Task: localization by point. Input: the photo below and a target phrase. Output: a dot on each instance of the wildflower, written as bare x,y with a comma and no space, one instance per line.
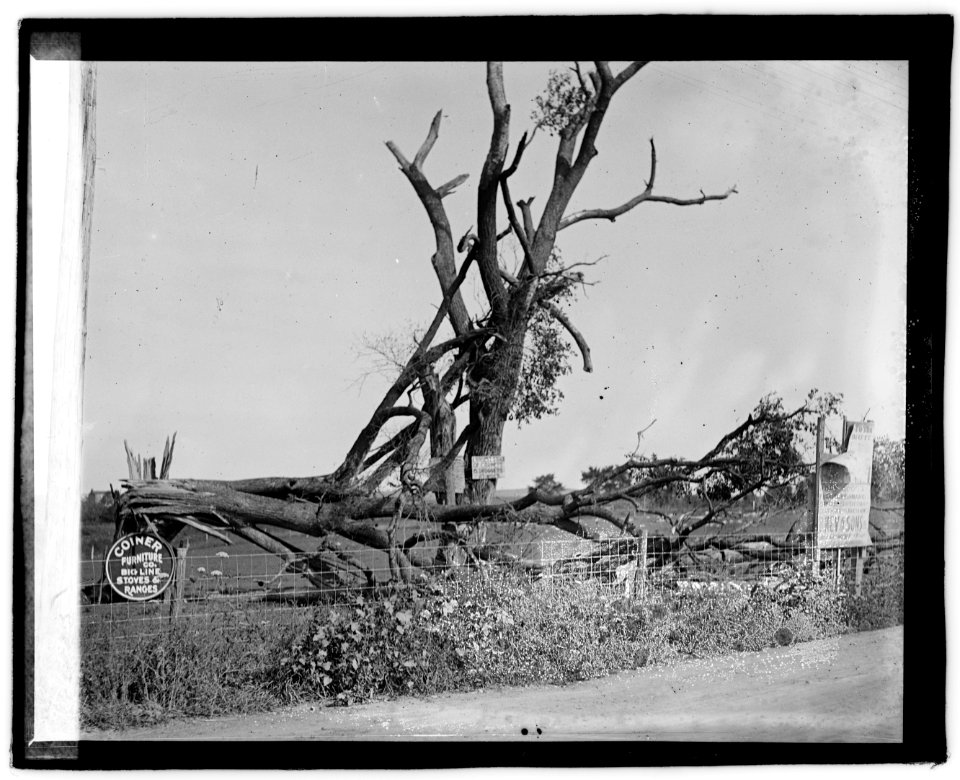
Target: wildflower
216,573
201,569
223,554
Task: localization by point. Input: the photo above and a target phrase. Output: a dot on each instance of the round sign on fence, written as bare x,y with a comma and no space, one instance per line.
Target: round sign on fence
139,566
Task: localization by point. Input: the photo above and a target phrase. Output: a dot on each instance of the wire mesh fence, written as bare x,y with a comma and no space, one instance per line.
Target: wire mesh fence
217,590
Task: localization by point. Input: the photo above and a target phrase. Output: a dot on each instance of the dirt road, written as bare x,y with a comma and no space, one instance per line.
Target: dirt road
845,689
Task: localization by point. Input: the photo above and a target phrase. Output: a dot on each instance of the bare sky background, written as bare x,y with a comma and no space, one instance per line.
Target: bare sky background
251,230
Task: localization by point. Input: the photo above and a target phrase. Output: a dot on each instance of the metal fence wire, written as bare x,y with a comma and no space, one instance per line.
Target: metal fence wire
219,590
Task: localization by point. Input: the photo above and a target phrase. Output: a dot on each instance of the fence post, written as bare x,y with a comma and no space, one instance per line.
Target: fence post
641,573
180,574
816,497
858,580
103,576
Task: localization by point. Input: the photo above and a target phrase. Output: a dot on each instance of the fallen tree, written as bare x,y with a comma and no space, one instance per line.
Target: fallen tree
486,364
332,512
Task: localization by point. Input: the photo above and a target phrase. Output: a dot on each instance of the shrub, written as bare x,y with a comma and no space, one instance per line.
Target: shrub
880,603
705,623
813,607
795,606
888,473
366,648
509,631
504,631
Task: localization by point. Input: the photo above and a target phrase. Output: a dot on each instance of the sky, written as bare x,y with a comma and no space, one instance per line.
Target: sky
251,233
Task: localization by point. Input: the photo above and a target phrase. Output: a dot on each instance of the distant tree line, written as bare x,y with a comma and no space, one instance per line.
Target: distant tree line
888,483
97,508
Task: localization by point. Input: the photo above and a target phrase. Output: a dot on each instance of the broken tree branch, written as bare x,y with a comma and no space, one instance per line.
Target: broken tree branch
528,225
429,141
647,195
445,189
443,259
487,193
575,334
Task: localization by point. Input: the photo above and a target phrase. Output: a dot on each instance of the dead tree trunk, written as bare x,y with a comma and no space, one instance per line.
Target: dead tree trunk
487,360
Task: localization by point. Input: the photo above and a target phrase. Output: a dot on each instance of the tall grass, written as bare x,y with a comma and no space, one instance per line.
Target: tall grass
198,666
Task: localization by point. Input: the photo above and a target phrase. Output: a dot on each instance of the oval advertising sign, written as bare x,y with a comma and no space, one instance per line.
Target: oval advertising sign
139,566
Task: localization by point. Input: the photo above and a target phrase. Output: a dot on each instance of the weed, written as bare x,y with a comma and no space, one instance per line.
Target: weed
471,632
190,667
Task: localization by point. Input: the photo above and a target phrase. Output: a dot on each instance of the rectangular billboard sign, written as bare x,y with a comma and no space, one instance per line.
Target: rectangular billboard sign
843,511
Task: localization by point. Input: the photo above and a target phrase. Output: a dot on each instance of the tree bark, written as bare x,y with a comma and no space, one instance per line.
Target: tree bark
493,387
443,429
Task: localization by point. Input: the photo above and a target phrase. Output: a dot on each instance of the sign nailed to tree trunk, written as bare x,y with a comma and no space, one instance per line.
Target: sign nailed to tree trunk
487,466
843,497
